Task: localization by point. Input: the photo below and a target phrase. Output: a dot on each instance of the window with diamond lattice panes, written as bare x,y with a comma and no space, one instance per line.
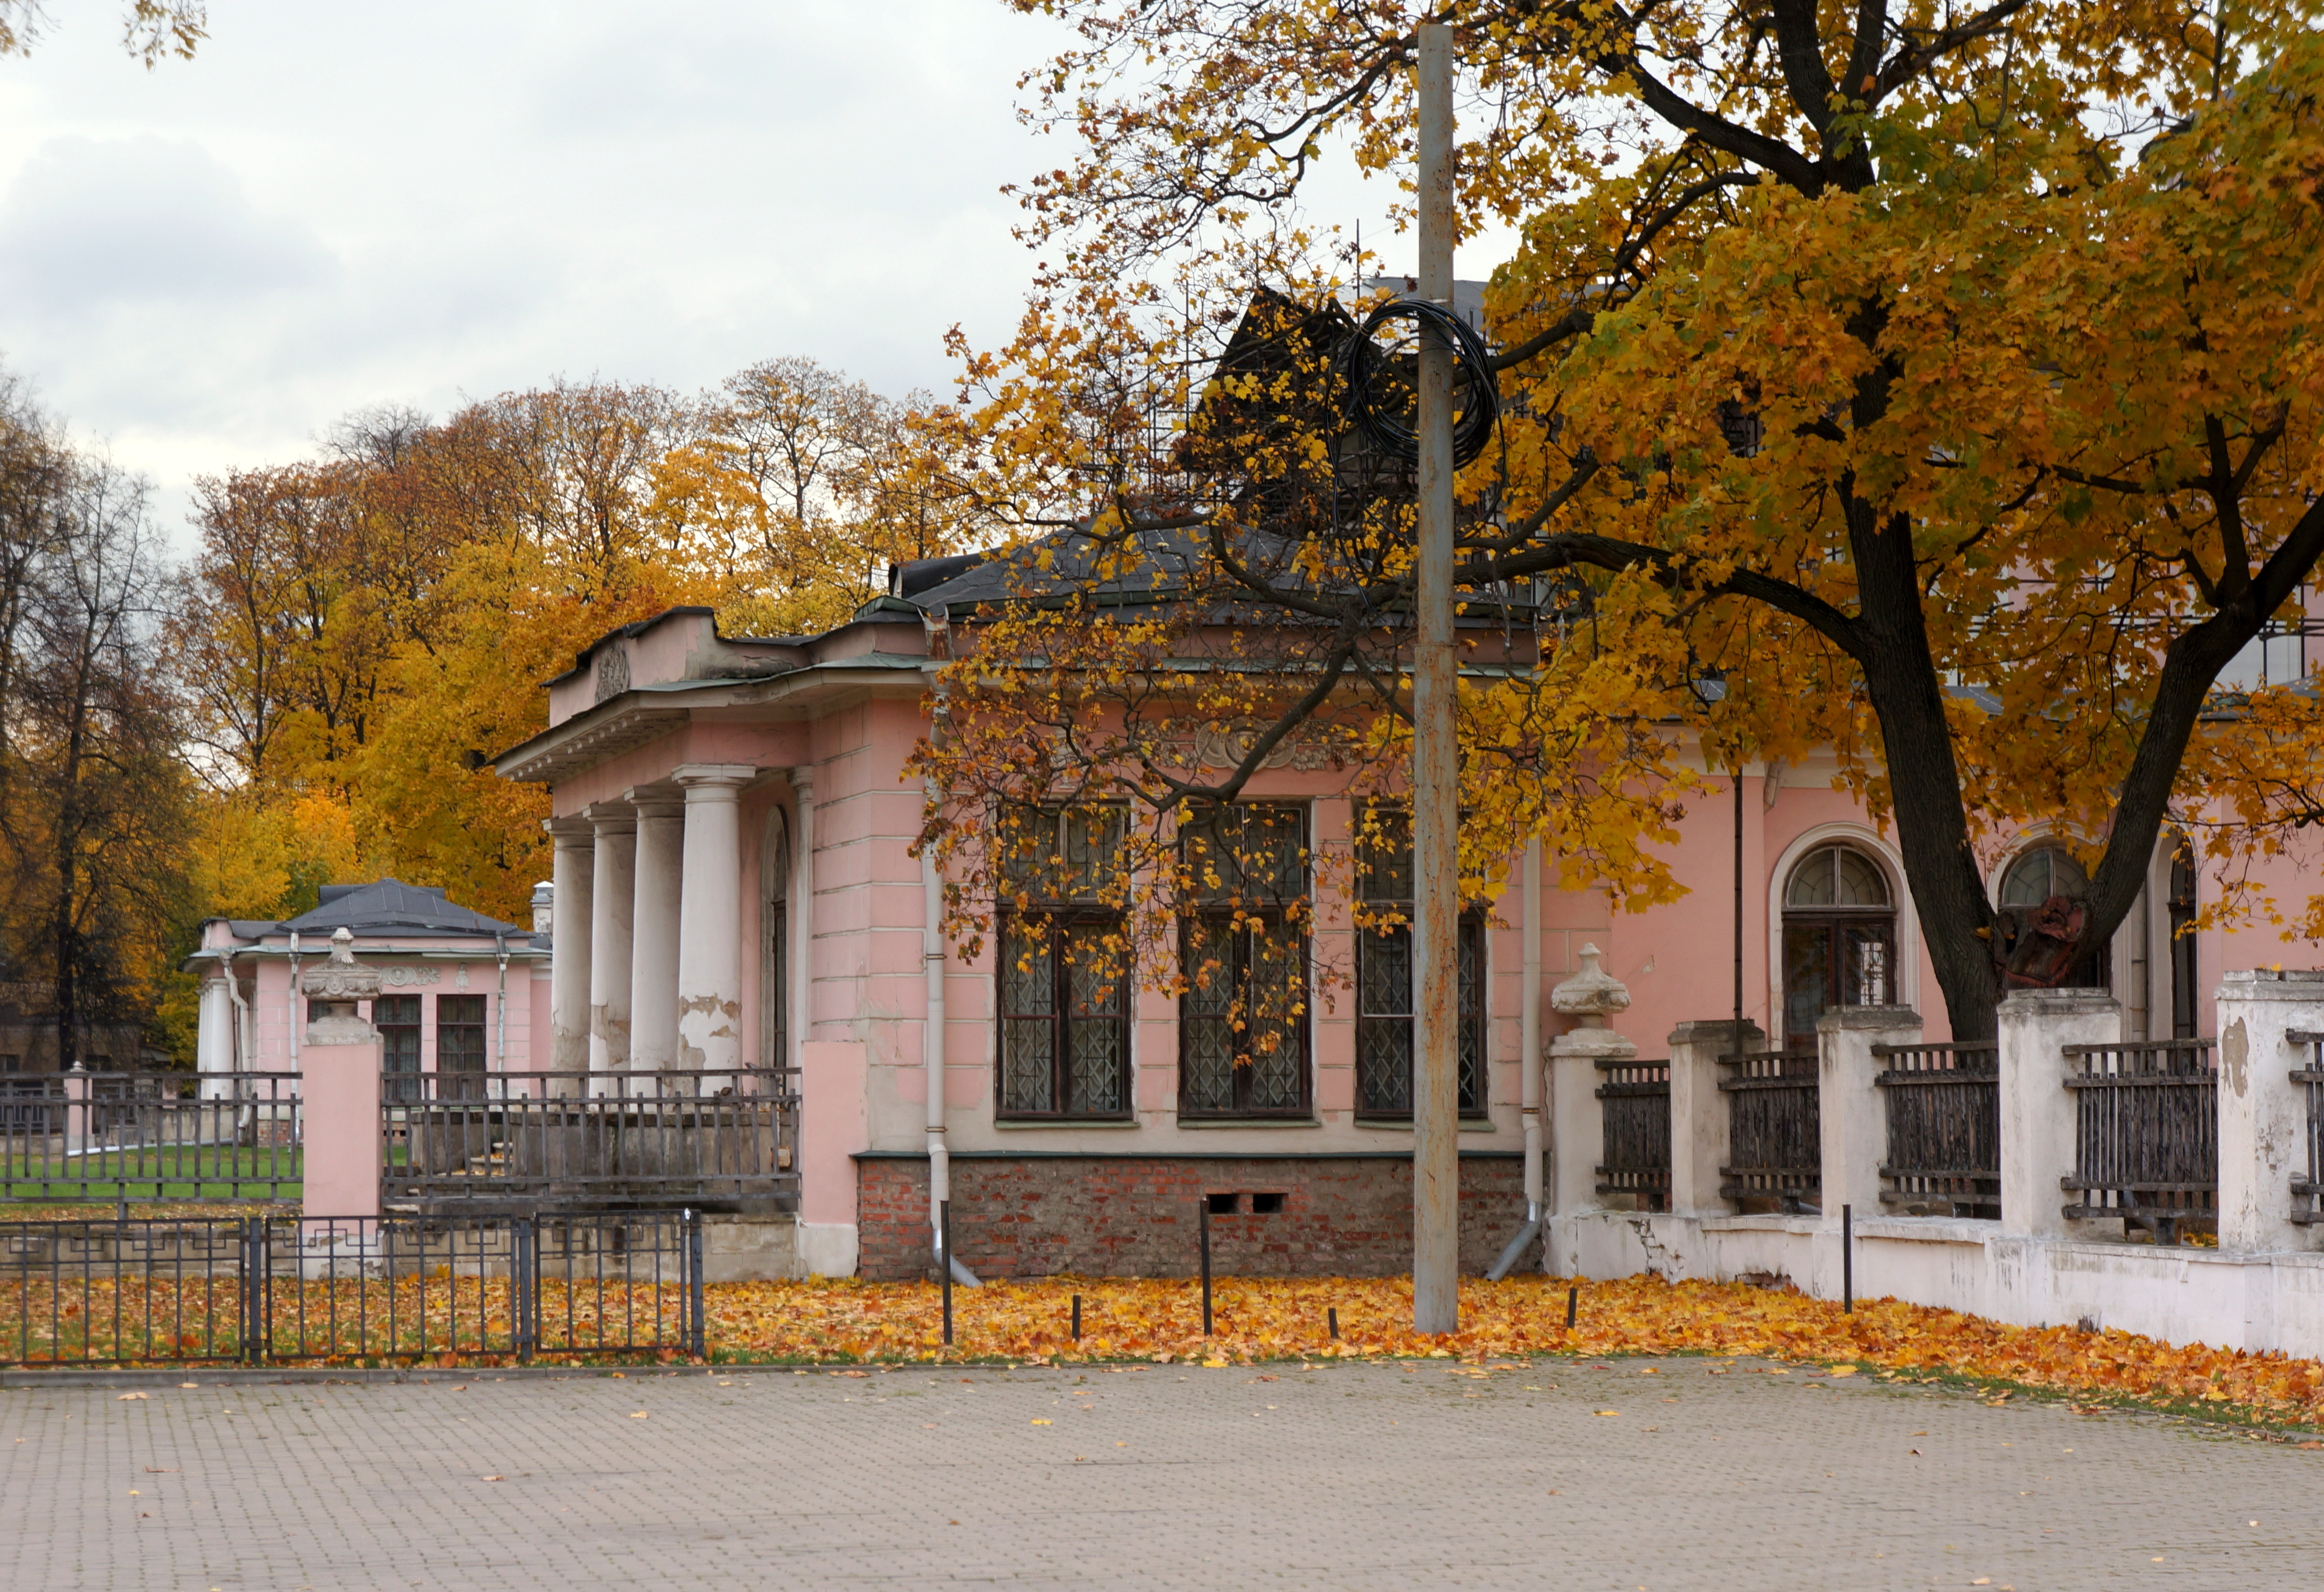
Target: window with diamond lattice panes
1243,1022
1064,975
1384,977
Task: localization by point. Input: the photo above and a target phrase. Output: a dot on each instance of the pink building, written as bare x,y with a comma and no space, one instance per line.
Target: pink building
735,887
461,991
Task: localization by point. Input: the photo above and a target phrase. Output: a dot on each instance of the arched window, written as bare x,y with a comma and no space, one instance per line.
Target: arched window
2049,872
1839,939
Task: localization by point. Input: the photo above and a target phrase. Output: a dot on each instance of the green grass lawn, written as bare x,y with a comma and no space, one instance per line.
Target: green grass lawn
204,1173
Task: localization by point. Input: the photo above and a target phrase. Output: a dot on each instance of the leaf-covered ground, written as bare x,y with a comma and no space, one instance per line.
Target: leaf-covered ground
1267,1319
465,1320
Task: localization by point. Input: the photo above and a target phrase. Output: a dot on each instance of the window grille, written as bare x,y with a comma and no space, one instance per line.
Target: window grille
1063,976
397,1018
1385,975
460,1044
1243,1022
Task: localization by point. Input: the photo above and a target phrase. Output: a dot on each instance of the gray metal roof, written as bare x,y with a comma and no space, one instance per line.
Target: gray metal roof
390,907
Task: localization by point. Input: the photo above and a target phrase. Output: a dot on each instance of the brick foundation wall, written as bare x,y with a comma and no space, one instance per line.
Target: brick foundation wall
1127,1216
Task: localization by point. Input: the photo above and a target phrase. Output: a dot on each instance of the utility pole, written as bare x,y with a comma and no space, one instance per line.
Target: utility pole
1436,785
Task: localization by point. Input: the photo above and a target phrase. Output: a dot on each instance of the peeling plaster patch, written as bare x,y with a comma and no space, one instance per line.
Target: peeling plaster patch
2235,1052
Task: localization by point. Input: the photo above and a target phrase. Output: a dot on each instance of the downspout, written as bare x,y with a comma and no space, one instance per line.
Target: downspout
1529,1044
499,1004
241,1024
932,1033
293,999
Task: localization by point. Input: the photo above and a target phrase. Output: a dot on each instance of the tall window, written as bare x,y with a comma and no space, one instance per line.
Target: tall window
397,1018
1839,939
460,1047
1384,980
2048,873
2182,941
1065,975
1243,1022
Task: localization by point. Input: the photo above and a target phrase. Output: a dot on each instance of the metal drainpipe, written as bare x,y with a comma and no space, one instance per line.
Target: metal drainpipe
932,1031
243,1037
293,999
932,955
1529,1043
499,1004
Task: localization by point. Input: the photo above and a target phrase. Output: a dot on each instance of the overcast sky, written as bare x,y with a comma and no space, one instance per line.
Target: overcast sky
342,204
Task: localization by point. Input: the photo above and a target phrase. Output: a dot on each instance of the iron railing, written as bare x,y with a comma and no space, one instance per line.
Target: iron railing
533,1141
1635,1109
2146,1136
111,1138
1774,1129
1943,1104
2307,1185
282,1289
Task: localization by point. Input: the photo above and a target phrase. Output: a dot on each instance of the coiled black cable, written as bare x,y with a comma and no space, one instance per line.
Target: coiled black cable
1364,368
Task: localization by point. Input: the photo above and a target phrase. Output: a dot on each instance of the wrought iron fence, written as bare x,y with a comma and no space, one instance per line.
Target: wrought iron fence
111,1138
2146,1136
1774,1129
1635,1109
1943,1105
287,1289
2308,1186
542,1140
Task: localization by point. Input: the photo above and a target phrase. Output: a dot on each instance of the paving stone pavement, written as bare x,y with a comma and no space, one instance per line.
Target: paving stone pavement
1615,1475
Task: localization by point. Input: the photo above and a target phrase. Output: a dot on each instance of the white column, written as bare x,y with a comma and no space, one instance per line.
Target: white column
2263,1113
802,911
655,928
1854,1117
2037,1108
710,928
613,898
214,1039
568,1001
1577,1116
1699,1118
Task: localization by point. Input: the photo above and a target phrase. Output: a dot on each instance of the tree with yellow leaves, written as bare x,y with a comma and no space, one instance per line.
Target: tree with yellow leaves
1946,380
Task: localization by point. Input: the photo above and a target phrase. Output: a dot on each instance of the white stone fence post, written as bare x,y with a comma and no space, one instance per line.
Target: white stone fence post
2268,1021
1853,1116
1577,1116
1699,1112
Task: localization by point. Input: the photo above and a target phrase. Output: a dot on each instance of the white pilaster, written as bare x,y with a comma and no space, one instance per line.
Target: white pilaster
568,1001
2037,1108
710,927
2263,1113
1699,1116
613,898
655,928
802,910
1854,1117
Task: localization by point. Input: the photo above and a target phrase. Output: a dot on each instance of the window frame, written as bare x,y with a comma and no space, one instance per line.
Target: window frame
2095,968
1833,922
452,1059
1058,912
1472,945
1231,910
403,1085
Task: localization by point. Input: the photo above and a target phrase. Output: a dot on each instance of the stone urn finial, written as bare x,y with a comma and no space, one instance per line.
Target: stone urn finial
1590,994
339,984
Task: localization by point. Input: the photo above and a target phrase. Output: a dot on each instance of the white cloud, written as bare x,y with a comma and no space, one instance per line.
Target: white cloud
338,206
